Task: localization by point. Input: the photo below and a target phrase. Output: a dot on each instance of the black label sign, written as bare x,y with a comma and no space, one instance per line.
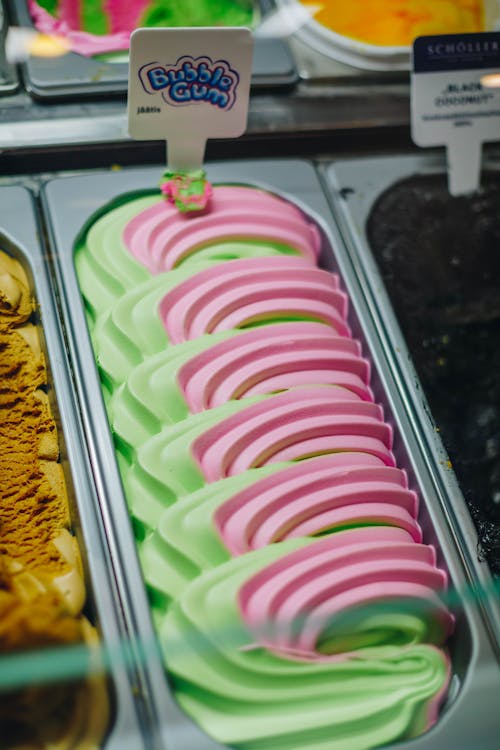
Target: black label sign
432,54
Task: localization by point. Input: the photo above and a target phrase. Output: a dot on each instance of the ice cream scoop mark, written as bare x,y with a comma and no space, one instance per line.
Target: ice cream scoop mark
295,602
225,305
334,475
157,236
295,516
245,364
304,448
285,439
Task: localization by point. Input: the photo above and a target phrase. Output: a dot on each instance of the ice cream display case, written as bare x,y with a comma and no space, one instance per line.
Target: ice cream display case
261,439
96,65
429,268
239,362
58,612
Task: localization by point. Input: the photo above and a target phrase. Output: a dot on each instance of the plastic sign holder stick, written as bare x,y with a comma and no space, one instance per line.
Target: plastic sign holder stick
450,106
187,85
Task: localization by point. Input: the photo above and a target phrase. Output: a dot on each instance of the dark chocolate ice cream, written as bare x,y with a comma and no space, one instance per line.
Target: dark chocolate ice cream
439,257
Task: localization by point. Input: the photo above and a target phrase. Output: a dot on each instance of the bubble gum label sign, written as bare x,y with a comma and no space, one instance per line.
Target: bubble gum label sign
192,80
188,85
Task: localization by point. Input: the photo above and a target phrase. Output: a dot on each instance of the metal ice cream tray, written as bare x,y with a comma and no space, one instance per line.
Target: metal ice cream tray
8,78
470,715
20,237
353,187
75,76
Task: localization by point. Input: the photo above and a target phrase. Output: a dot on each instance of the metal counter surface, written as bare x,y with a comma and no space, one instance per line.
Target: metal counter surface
310,109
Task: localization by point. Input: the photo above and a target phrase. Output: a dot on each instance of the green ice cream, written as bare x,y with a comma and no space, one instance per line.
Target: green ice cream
249,697
106,277
163,292
101,17
199,13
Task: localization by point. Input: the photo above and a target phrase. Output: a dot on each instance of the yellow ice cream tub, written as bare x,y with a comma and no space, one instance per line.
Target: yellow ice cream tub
378,34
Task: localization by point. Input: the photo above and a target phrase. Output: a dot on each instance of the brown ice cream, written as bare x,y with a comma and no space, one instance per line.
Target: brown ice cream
42,591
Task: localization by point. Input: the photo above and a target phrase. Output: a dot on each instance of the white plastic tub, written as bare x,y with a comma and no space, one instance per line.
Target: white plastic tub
360,54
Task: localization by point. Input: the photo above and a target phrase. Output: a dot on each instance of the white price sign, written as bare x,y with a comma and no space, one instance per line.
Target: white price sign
450,106
188,85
